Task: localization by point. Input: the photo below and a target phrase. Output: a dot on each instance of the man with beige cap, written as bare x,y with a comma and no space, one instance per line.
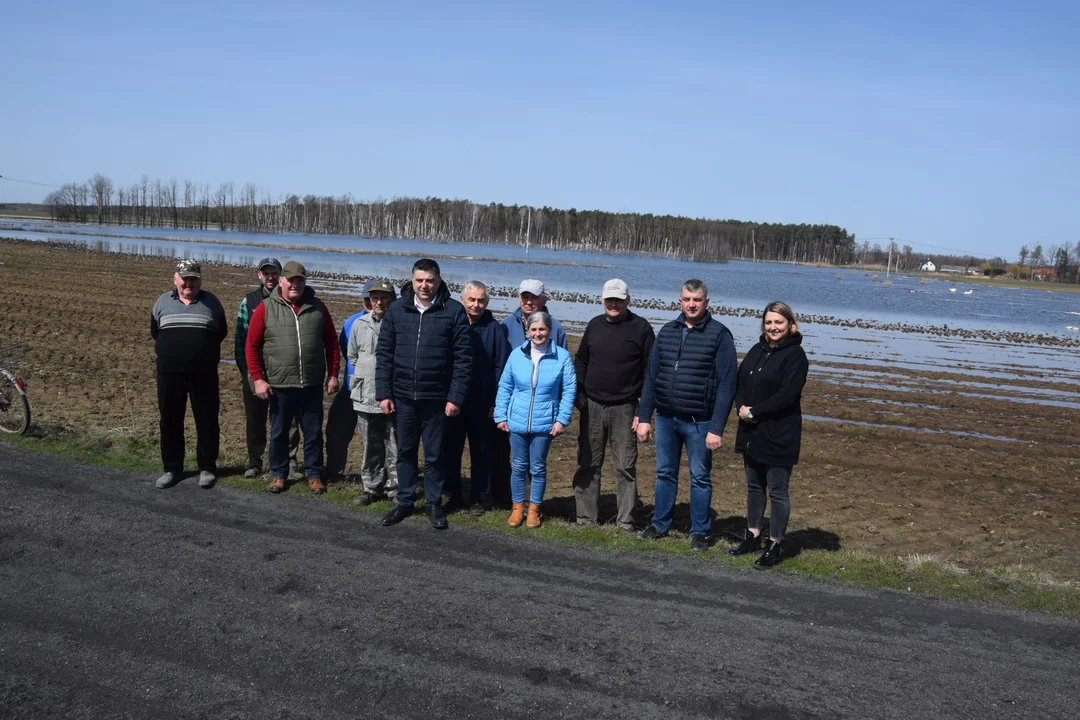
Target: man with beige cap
292,353
188,325
610,362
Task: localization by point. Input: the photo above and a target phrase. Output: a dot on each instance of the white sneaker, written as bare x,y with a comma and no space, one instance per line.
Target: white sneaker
207,479
167,480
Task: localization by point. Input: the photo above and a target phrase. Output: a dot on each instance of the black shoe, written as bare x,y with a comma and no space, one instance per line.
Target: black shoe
455,503
436,516
772,556
750,543
650,533
366,498
699,543
397,514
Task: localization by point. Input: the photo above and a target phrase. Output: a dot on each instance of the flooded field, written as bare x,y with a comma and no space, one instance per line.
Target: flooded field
964,449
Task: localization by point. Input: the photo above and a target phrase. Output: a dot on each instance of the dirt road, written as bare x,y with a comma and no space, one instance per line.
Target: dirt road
118,600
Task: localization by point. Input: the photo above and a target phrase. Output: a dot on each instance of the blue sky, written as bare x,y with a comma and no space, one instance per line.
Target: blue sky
950,126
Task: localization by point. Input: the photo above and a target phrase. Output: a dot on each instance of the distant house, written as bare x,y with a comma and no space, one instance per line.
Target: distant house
928,266
953,269
1044,273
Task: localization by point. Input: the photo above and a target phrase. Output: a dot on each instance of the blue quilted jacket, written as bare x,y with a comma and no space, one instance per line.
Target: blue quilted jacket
535,409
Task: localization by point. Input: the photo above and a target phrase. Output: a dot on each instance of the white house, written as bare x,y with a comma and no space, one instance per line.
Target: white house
928,266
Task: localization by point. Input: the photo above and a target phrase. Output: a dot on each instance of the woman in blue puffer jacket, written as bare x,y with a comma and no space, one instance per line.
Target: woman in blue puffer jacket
534,404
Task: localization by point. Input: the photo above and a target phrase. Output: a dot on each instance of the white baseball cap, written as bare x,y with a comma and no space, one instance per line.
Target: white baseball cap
615,288
531,286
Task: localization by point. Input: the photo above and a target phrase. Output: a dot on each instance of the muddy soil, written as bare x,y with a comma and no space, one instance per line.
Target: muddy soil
976,481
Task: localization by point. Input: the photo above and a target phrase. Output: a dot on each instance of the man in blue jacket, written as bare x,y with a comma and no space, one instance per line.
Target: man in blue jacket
489,352
422,368
690,382
531,297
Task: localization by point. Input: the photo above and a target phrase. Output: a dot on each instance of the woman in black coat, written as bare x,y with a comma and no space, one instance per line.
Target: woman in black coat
768,396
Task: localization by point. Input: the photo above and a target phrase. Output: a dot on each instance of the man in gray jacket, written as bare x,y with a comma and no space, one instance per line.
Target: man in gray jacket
378,469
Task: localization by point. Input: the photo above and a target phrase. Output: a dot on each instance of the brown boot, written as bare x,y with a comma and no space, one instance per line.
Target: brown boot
535,516
517,515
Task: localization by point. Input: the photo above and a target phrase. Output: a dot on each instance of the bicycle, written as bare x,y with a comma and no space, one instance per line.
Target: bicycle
14,404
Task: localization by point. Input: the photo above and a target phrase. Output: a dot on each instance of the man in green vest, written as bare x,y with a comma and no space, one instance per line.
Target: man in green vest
292,353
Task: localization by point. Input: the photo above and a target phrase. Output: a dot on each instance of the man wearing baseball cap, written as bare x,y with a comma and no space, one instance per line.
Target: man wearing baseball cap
378,467
611,362
188,326
531,297
292,354
255,408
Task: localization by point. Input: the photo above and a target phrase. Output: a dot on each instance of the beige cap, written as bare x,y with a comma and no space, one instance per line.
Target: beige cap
615,288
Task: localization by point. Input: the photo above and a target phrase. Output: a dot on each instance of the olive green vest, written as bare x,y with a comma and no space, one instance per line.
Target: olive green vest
293,352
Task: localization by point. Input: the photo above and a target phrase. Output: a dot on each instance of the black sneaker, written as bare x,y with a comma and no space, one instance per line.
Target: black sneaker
750,543
481,507
772,556
454,503
650,533
397,514
366,498
436,516
699,543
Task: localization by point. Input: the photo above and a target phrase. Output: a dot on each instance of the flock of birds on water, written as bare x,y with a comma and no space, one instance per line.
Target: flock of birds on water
944,331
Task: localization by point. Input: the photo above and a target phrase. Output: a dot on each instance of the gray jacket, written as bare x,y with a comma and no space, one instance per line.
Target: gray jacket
363,339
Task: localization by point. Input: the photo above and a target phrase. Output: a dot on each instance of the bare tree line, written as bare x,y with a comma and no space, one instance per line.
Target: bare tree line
196,205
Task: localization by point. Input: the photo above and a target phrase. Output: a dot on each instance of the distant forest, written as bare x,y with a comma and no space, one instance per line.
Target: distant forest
153,203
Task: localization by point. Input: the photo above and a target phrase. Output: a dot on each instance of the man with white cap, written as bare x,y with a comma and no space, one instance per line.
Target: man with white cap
188,326
531,297
611,362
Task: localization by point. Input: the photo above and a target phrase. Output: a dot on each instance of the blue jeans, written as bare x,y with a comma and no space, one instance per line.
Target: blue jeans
672,433
306,405
529,453
416,420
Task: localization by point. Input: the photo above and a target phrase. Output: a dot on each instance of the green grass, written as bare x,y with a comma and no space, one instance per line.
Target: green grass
926,576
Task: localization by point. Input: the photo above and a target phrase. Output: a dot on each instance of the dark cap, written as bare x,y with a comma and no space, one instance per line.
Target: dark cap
379,285
189,269
294,269
270,262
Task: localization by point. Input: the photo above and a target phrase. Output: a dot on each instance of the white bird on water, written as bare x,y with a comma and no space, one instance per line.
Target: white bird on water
968,292
952,289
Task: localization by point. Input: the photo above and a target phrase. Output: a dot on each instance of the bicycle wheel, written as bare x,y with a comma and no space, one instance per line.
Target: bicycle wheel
14,406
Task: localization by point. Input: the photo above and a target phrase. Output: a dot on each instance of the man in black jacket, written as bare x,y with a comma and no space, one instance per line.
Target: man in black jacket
610,363
691,384
423,364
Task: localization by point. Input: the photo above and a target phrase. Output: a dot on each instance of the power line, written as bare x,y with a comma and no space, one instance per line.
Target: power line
27,182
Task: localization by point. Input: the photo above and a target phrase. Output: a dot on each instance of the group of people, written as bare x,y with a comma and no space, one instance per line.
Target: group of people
425,368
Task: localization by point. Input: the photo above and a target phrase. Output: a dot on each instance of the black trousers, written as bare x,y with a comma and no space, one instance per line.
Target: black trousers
500,468
256,412
174,389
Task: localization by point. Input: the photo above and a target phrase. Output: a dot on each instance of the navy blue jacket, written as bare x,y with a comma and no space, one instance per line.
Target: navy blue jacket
694,376
490,349
424,356
771,381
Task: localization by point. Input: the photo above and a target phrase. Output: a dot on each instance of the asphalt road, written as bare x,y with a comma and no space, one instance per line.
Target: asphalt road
118,600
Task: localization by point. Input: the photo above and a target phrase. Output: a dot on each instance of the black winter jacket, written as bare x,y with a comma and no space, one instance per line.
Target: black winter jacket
695,377
424,356
770,384
490,349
